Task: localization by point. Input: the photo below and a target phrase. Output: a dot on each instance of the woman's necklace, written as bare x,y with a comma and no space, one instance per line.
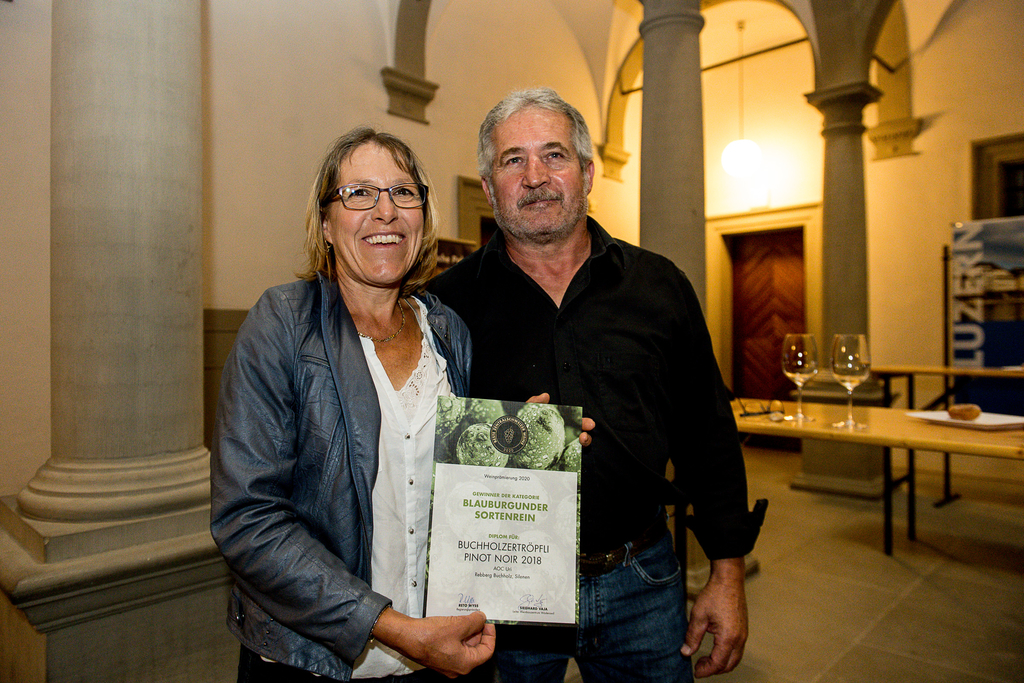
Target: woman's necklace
387,339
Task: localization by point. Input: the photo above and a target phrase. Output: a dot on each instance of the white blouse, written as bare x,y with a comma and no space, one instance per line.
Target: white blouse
401,494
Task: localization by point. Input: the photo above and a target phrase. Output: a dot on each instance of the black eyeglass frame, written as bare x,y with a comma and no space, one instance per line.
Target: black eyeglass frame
774,407
338,194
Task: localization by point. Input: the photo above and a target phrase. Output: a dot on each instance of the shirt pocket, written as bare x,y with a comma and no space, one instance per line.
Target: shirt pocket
317,395
631,389
318,410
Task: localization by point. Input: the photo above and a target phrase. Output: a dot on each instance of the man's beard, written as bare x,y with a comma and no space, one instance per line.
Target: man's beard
518,225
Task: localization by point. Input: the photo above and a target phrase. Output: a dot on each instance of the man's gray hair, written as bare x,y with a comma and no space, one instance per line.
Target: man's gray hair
536,98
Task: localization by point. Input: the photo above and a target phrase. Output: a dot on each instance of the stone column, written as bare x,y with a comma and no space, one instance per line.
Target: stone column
107,568
672,137
848,469
672,174
844,221
126,287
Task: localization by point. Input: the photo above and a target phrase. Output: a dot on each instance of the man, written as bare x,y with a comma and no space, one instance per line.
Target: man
554,304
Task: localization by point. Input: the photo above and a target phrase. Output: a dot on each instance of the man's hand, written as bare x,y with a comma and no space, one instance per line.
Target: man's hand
721,610
588,423
453,646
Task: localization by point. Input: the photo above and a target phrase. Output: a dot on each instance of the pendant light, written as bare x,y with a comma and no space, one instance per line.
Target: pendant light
741,158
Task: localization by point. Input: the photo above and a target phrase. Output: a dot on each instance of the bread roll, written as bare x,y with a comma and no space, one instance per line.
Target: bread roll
964,411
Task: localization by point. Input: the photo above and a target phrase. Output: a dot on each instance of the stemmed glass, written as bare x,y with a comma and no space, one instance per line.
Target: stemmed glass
800,364
851,365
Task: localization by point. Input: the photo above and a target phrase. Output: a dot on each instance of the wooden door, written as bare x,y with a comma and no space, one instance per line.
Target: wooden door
768,303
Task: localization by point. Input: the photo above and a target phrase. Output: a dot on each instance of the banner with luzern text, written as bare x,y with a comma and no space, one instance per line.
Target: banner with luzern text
987,309
504,530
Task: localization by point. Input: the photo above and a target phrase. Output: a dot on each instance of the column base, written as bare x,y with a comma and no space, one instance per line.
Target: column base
65,490
152,611
841,468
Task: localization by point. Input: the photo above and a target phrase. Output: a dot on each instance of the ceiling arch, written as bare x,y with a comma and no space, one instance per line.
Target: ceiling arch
896,128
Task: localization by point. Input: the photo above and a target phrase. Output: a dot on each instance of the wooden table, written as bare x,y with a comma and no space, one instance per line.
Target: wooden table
889,428
959,375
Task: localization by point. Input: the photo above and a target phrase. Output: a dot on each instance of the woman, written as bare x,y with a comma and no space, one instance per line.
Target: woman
323,445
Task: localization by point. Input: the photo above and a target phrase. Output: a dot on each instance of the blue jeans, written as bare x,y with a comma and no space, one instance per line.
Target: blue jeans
632,625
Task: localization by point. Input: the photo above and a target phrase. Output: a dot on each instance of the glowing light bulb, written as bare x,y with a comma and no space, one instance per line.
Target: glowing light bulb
741,158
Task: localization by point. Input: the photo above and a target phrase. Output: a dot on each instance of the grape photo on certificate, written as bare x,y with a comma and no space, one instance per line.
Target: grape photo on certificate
504,526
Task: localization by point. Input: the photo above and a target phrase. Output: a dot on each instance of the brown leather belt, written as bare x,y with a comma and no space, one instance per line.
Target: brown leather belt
596,564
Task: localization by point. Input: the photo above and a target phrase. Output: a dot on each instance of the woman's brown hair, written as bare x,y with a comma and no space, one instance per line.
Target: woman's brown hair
319,256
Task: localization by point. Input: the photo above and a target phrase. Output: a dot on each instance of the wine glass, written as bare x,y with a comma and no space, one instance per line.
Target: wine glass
800,364
851,365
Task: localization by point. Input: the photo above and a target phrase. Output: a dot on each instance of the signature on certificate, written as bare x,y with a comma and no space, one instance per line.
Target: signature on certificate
530,600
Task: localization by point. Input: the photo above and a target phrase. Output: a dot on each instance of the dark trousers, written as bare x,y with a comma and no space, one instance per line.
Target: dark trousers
253,669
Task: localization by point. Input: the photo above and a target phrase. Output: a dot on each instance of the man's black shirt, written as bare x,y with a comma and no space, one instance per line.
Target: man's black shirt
629,344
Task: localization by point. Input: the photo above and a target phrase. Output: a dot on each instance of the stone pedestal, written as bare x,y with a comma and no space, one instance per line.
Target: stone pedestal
846,469
139,610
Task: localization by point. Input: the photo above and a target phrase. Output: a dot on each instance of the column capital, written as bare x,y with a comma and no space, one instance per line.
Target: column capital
843,106
408,94
862,92
895,138
660,12
614,158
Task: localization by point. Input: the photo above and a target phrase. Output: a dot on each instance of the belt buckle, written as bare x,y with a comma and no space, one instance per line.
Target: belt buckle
608,562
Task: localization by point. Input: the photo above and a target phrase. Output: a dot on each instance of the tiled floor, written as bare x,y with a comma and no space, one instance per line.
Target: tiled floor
828,606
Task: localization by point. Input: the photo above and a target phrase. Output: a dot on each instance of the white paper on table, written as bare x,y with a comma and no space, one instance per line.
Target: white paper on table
984,422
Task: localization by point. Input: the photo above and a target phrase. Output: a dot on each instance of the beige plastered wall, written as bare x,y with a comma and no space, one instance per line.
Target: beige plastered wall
282,87
281,80
24,240
968,84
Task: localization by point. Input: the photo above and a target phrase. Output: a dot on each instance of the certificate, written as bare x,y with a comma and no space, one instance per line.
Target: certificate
504,523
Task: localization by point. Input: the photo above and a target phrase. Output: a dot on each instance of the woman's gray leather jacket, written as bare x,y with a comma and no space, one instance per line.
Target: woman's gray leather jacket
293,464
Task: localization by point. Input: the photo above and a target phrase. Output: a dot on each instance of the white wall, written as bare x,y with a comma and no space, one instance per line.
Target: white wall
282,80
477,68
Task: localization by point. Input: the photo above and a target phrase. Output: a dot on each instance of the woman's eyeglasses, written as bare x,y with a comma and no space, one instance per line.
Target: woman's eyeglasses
362,197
